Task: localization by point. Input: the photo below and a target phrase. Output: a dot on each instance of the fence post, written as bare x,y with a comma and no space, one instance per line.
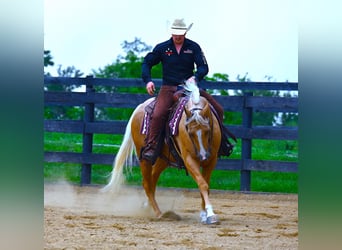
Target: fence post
246,147
87,137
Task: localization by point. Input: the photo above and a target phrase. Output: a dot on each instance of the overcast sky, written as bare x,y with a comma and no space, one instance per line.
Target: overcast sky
255,36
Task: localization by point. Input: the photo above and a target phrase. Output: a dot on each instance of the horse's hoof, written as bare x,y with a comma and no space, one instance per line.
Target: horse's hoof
170,215
212,220
203,217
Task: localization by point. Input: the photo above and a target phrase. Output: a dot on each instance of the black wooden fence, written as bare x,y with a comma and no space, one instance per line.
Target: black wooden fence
247,104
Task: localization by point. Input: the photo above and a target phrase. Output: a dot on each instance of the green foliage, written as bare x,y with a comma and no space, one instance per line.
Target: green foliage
218,77
128,65
48,58
125,66
113,113
260,118
69,71
63,112
289,119
232,118
137,46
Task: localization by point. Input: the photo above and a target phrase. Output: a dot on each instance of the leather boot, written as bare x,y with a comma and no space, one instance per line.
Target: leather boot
149,152
152,149
226,147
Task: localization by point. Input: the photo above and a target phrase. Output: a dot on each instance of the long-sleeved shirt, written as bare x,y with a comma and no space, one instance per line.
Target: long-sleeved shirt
176,67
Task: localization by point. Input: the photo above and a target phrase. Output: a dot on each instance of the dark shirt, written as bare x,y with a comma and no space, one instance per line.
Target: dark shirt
176,67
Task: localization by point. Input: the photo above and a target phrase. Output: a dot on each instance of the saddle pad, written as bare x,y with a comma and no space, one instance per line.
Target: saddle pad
145,123
176,115
174,118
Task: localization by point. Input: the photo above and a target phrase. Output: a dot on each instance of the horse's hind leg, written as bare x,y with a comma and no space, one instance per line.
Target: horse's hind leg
157,169
149,185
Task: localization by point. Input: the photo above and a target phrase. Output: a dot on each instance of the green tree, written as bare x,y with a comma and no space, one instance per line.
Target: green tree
48,58
127,65
269,118
61,112
287,118
218,77
69,71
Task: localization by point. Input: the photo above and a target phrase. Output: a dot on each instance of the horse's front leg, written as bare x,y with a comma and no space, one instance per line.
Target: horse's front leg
149,186
207,214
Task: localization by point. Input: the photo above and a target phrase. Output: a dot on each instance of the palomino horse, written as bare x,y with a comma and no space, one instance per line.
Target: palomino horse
197,142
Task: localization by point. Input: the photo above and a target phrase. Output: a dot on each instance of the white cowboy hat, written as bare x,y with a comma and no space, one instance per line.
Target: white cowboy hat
178,27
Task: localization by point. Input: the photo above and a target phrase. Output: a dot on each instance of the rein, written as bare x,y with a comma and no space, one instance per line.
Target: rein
195,109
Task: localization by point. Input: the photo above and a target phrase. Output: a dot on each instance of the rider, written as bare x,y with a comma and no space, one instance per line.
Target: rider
178,56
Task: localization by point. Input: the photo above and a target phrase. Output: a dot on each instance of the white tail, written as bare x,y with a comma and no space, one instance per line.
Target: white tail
124,158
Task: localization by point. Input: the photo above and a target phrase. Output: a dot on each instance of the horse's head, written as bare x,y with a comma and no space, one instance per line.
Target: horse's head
199,126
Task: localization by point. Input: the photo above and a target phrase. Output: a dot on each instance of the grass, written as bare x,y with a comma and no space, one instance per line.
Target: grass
173,177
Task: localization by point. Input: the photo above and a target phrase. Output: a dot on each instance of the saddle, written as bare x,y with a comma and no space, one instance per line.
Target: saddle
171,128
172,125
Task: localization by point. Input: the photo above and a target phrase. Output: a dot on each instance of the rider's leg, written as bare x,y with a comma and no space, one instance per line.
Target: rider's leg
159,116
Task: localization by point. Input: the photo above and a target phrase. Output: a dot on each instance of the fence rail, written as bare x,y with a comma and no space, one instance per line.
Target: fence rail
247,104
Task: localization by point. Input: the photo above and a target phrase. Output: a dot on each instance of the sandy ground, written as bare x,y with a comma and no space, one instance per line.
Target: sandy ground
85,218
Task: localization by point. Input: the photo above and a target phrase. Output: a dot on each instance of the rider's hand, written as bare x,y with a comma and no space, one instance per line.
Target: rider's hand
192,80
150,88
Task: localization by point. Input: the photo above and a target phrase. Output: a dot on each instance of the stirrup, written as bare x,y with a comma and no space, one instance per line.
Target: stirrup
226,147
151,157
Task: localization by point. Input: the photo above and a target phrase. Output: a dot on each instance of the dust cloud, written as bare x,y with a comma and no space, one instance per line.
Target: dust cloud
128,201
84,217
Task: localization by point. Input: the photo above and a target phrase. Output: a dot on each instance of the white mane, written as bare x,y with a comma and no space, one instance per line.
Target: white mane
192,87
197,117
194,90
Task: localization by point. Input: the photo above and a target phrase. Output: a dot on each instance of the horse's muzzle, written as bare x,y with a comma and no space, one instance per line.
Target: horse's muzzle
204,156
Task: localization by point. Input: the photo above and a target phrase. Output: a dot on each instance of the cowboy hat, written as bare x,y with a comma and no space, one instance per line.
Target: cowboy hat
178,27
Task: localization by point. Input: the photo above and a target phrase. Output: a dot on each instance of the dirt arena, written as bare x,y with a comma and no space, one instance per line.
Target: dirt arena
84,218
